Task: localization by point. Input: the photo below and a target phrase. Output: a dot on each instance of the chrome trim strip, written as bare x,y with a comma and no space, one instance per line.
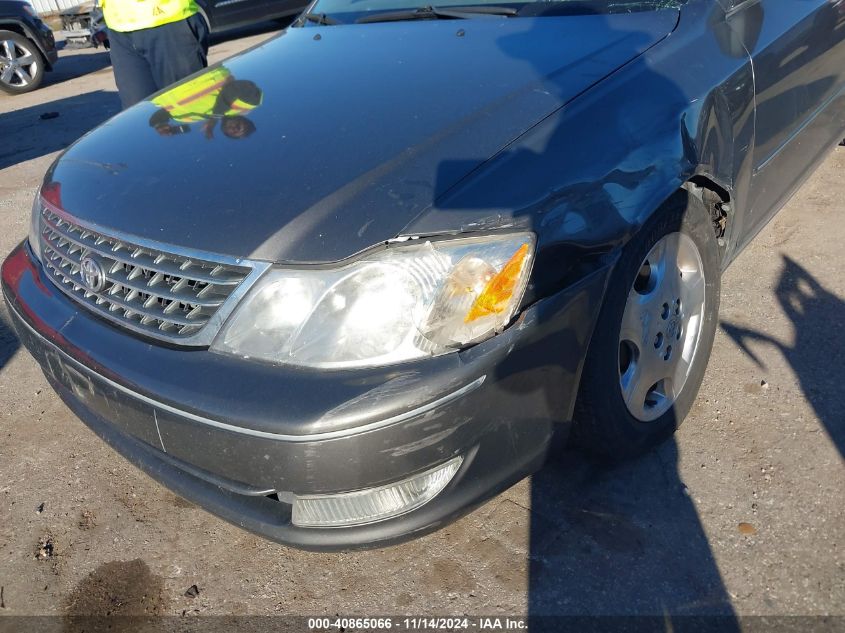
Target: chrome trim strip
740,6
158,430
313,437
807,123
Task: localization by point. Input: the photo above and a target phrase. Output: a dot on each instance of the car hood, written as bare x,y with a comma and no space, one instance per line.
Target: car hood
338,137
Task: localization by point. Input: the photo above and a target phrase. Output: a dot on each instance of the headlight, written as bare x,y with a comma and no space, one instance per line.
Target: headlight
404,302
35,226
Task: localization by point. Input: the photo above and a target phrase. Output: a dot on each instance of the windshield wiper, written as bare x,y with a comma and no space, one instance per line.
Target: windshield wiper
435,13
318,18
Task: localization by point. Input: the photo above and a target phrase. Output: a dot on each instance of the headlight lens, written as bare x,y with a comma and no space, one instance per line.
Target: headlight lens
404,302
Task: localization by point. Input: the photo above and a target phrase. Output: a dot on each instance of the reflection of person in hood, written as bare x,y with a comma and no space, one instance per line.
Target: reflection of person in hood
213,96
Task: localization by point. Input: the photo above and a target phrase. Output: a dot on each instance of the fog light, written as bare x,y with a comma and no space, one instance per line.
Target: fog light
373,504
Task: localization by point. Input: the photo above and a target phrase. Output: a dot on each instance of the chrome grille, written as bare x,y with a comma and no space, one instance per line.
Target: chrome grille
159,293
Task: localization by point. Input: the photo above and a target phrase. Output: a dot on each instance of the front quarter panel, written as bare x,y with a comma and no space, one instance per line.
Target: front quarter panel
35,31
588,176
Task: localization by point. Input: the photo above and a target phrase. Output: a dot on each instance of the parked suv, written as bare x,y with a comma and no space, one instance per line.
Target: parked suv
27,47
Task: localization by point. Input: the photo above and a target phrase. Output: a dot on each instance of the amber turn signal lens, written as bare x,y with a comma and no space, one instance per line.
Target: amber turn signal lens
496,296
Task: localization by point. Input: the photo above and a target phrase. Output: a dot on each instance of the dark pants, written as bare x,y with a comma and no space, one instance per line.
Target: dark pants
147,60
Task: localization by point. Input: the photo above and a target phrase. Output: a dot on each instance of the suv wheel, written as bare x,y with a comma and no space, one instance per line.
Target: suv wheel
654,334
21,64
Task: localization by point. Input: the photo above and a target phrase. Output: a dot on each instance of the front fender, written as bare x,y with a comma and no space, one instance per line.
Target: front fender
587,177
19,26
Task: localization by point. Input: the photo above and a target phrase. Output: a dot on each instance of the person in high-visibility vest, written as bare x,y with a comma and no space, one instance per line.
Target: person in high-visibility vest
208,98
154,43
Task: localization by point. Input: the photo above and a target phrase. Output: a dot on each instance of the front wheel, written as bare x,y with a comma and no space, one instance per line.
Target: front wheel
653,336
21,64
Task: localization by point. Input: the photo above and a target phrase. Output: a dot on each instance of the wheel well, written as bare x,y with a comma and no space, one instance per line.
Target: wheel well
717,199
204,15
14,27
20,29
706,183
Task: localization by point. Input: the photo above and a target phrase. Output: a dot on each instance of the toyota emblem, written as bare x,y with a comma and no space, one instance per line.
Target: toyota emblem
93,275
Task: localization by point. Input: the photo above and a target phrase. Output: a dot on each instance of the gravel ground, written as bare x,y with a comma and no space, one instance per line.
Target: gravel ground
742,514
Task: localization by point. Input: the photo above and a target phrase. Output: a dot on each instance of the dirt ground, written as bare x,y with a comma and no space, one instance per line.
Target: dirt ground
743,514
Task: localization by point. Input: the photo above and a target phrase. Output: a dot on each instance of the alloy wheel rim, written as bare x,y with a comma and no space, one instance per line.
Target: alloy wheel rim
661,327
18,64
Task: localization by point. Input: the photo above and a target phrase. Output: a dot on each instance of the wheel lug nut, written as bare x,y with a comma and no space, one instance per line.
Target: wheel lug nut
658,340
664,313
668,353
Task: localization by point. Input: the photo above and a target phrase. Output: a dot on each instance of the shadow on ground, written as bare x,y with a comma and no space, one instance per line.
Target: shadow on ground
9,343
620,542
75,63
26,135
818,318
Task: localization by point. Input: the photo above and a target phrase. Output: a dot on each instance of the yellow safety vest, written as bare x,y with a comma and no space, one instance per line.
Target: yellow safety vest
133,15
194,100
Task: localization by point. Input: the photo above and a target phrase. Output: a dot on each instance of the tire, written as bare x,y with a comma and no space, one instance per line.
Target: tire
21,64
619,412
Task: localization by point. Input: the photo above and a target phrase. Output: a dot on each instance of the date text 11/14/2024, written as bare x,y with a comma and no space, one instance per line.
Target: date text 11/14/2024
461,623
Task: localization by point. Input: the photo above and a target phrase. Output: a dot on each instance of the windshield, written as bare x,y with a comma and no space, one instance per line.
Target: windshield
342,11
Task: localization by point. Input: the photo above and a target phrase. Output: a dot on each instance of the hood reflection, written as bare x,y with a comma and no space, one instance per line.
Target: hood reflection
212,97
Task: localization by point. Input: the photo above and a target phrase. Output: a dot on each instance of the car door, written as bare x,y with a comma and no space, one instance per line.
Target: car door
226,14
797,49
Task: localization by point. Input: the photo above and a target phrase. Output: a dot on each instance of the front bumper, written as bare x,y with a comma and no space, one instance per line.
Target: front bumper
240,438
